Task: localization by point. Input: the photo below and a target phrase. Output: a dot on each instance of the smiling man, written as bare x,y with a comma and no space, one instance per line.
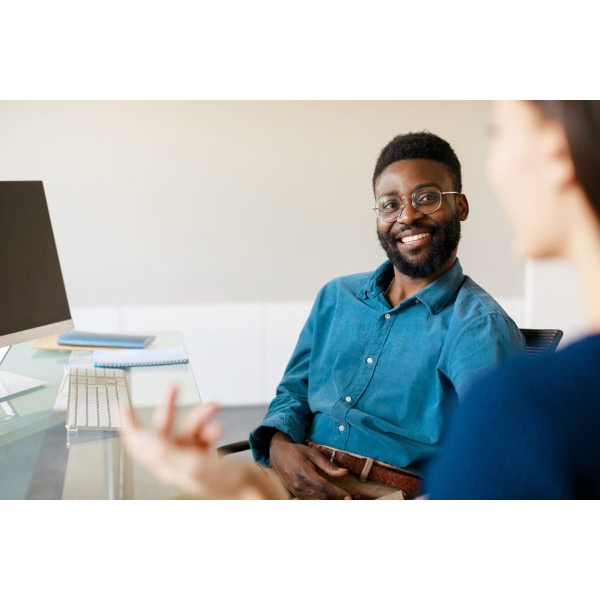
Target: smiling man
384,356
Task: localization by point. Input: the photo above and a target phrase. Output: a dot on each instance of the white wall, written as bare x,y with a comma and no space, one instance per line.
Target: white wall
191,202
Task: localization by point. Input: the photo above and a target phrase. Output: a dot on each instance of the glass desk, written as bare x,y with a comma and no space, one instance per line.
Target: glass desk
38,460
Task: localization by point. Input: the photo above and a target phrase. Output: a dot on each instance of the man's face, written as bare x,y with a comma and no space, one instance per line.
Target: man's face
432,253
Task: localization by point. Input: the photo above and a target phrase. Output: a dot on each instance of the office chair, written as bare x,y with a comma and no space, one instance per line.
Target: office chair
234,447
537,341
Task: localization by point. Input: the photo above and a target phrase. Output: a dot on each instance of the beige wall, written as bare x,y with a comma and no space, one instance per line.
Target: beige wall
182,202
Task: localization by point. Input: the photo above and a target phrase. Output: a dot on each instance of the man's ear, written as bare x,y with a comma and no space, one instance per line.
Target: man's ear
463,207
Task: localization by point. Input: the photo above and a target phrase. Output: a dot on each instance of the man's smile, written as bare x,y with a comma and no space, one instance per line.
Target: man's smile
411,239
414,239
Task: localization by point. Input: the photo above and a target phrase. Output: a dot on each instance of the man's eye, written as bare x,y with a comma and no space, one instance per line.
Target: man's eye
428,198
390,205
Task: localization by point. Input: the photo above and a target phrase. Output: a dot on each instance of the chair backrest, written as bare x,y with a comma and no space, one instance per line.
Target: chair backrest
541,340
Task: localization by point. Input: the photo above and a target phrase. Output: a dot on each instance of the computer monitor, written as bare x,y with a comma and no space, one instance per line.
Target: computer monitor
33,300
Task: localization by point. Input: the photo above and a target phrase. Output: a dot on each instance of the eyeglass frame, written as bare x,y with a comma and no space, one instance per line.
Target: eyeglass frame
413,197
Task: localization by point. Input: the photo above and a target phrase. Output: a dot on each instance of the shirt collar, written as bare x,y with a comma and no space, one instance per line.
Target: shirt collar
435,296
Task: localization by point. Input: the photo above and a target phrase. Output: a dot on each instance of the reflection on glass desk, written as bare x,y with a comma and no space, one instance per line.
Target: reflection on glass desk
38,459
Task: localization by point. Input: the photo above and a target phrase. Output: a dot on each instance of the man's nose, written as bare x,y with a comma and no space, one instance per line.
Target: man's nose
408,215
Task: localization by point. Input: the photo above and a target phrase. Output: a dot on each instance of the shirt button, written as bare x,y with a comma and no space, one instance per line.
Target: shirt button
387,315
417,301
348,398
341,428
369,360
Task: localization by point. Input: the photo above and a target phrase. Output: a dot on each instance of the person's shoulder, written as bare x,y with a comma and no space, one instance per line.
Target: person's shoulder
585,351
472,301
577,362
562,376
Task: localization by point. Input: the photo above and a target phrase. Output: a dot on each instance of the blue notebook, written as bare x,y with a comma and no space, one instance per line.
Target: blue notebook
85,338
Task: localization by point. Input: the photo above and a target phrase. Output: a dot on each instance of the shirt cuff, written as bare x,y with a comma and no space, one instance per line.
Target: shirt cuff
260,438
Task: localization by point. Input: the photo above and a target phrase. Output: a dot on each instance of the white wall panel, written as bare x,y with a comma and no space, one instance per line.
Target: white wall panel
553,298
283,322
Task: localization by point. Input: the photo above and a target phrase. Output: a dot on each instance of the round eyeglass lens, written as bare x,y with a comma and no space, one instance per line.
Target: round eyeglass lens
427,200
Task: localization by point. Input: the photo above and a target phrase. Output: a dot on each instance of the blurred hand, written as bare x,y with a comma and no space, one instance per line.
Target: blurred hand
298,466
188,460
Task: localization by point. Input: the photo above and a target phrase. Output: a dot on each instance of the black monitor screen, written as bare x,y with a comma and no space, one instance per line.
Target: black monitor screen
32,291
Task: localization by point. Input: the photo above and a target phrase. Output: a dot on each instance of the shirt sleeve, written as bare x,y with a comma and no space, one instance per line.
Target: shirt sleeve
503,443
289,412
480,347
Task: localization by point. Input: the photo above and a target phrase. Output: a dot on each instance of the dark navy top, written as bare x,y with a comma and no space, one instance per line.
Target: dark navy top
529,430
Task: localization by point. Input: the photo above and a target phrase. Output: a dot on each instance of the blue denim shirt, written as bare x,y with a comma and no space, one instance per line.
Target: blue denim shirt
380,381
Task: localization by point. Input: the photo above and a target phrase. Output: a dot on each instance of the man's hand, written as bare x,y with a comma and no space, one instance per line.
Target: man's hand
297,466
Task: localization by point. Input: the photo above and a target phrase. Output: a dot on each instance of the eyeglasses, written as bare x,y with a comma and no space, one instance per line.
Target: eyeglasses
425,200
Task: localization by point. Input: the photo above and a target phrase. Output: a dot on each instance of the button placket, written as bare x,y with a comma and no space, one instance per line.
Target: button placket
346,402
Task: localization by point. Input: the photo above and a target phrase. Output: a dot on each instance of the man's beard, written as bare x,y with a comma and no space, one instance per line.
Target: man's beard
425,263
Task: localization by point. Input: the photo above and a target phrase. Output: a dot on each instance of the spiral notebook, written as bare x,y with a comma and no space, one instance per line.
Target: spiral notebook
122,359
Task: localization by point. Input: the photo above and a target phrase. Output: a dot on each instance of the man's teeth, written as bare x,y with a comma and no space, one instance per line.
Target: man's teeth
414,238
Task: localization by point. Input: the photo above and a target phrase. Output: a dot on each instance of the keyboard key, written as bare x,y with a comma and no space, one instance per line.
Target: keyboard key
81,406
113,406
92,406
123,396
103,417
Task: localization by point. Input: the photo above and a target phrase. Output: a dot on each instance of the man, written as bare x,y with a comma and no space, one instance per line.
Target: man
384,356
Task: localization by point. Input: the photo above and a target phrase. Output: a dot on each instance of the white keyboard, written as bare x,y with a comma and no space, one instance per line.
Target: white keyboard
95,397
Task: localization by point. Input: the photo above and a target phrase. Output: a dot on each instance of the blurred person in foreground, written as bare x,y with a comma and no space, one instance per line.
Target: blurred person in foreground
532,429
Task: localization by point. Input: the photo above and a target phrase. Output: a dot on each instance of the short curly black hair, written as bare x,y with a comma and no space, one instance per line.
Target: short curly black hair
421,144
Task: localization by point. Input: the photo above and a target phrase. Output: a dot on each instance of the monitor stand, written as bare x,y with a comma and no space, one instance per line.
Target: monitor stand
12,384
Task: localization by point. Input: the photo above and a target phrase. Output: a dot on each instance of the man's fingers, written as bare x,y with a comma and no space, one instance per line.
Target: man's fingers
321,489
312,486
325,464
165,413
336,493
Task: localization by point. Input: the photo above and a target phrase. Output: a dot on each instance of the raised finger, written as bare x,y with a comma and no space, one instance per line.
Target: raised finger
129,418
165,413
